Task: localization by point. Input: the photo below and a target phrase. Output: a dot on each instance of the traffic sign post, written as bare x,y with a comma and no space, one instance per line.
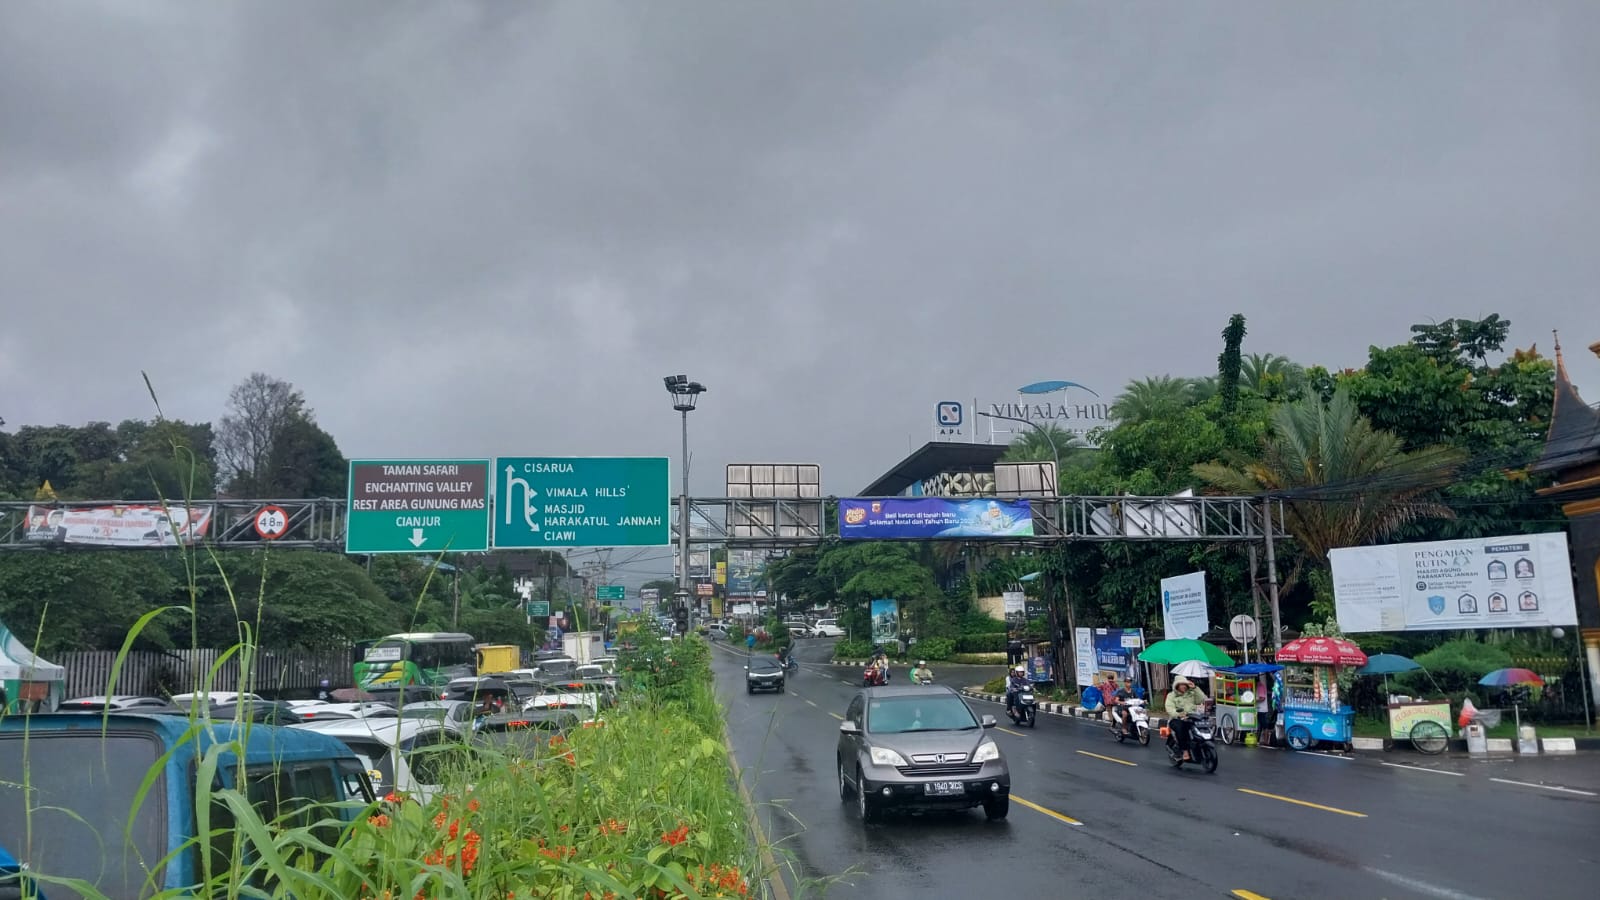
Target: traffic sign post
610,592
539,609
271,522
418,505
545,501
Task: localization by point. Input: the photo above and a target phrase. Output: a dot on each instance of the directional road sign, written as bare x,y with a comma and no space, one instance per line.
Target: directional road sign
543,501
418,505
271,522
610,592
539,608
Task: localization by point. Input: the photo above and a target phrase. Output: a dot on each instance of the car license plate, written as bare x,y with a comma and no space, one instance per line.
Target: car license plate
942,788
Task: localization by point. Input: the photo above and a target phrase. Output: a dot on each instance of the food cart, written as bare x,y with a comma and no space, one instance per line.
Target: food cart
1426,723
1236,695
1313,711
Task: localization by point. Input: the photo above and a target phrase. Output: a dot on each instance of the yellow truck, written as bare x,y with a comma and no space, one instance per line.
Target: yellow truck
496,658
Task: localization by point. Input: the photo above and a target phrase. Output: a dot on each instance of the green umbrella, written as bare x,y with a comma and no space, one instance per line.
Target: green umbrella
1180,650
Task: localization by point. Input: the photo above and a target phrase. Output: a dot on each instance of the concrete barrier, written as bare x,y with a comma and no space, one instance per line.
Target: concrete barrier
1499,745
1368,743
1560,745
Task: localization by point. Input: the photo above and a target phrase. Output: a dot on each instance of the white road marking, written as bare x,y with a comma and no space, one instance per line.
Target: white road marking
1548,787
1322,755
1422,887
1421,769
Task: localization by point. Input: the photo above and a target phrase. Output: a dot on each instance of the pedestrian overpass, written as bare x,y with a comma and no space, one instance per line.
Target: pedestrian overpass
733,522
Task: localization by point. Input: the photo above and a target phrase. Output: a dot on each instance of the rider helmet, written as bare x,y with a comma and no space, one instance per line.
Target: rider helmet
1020,669
922,662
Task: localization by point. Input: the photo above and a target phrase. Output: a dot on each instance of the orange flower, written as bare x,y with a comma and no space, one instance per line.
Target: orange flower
473,805
676,836
379,821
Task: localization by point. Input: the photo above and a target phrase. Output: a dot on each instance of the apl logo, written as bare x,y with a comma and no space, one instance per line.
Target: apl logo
1436,605
950,414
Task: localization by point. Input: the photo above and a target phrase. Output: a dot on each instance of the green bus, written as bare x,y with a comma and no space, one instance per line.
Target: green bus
425,658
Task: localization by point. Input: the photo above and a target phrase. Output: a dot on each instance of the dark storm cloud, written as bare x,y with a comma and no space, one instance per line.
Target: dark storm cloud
491,228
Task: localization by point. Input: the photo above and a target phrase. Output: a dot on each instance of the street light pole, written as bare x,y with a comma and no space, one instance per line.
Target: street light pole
685,394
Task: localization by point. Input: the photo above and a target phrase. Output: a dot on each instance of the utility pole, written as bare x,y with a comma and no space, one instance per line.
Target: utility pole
1272,574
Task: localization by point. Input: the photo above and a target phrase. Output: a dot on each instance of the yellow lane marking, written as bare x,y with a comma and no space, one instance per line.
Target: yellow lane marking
1243,894
1332,809
1120,762
1009,731
1049,812
837,716
810,703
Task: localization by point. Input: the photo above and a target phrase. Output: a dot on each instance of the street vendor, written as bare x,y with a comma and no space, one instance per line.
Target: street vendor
1184,700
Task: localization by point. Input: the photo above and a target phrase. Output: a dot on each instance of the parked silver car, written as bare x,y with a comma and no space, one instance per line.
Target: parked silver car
919,747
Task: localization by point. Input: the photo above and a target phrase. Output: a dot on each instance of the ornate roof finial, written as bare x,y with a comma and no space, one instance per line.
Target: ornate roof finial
1561,364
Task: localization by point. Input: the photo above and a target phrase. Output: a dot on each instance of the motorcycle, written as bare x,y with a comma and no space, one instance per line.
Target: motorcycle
1132,720
1201,734
788,664
924,679
1025,709
872,676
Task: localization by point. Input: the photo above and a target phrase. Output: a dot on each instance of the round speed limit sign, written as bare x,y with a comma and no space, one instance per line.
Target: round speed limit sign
271,522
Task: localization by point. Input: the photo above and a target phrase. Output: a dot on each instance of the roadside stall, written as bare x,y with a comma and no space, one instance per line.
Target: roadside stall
1237,695
27,683
1313,711
1426,723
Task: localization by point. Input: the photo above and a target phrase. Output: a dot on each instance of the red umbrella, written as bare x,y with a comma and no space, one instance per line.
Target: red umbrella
1322,651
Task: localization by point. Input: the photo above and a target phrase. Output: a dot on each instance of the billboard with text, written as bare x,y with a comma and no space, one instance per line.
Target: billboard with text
1515,581
132,525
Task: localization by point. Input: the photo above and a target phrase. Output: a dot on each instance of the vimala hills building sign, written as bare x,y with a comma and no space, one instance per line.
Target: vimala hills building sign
418,505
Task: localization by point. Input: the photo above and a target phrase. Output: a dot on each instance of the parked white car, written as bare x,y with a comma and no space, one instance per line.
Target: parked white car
389,750
216,698
827,628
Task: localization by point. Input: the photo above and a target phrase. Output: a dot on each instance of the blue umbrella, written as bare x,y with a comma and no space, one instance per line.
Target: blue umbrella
1388,664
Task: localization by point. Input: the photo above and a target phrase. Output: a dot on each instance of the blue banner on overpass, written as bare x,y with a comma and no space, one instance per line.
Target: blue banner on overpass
921,518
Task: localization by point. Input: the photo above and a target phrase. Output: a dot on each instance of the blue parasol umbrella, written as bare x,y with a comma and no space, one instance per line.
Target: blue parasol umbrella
1388,664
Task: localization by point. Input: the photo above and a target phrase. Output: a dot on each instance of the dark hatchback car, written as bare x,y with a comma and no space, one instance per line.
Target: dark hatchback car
763,673
521,733
919,747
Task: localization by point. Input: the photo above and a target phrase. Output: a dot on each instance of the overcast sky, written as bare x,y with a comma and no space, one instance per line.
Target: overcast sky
490,229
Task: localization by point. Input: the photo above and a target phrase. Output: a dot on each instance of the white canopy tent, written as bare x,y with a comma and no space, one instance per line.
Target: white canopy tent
27,679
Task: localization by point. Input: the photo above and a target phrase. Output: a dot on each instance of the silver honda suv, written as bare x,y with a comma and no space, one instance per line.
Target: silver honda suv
919,747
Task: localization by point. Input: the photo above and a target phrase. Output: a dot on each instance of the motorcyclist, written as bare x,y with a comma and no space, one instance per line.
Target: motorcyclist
880,661
922,672
783,655
1016,683
1183,700
1119,706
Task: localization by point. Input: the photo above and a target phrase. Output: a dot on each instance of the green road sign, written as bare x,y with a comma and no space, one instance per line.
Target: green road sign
418,506
581,502
539,608
610,592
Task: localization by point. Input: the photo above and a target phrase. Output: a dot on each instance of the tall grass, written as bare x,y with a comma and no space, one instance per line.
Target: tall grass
639,805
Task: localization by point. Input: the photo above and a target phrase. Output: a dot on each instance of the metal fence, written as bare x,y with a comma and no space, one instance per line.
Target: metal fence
272,673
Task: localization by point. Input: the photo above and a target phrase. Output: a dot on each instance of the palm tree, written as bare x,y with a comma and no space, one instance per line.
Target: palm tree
1269,375
1040,444
1148,398
1346,483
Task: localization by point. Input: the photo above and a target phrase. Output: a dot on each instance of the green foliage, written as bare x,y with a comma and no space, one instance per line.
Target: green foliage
138,460
933,648
1457,665
995,685
981,643
77,601
1349,483
852,649
1230,364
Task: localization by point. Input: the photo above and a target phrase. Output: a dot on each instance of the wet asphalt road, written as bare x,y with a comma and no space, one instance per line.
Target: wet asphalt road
1092,818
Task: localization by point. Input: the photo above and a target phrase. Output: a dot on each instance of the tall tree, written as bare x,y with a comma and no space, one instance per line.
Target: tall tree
1149,398
1347,483
1272,377
1229,363
269,444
